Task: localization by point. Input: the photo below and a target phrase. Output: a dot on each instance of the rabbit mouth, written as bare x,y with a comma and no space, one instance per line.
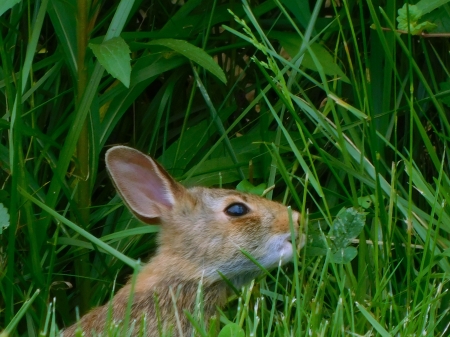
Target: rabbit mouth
285,247
289,238
300,240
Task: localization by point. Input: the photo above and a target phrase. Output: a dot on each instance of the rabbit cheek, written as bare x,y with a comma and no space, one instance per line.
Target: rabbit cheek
281,224
277,248
245,223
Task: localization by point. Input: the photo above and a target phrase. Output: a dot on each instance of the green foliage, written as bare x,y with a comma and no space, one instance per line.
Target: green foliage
408,17
114,56
434,20
4,218
232,330
426,6
347,226
329,114
248,187
194,54
12,325
292,43
7,4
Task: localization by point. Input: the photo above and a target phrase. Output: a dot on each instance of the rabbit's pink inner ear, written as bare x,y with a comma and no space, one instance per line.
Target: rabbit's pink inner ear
144,188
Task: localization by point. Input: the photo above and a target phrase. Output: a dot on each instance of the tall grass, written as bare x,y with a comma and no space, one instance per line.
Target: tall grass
327,104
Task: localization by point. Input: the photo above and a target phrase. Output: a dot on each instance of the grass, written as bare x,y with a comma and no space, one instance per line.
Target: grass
356,116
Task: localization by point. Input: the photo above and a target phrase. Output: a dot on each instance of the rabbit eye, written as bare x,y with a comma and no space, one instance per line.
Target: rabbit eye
237,209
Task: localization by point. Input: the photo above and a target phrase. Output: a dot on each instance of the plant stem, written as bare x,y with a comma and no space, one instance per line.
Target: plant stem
82,172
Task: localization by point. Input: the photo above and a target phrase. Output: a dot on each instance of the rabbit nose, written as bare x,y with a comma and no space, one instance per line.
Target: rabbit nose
295,217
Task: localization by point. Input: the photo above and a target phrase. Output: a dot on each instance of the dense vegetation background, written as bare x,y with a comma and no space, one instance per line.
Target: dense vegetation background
320,98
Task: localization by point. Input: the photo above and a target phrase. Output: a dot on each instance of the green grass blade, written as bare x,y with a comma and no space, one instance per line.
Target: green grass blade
82,232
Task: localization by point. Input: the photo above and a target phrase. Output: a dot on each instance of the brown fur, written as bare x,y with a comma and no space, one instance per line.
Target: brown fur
198,239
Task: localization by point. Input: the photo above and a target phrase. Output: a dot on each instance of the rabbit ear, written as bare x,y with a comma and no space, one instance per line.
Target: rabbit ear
147,189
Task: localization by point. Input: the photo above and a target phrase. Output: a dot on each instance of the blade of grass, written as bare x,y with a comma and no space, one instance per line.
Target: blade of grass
132,263
10,328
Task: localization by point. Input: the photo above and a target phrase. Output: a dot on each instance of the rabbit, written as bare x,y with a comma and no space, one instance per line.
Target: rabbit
203,232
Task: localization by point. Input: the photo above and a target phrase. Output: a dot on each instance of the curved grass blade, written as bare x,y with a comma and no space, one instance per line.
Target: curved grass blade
125,259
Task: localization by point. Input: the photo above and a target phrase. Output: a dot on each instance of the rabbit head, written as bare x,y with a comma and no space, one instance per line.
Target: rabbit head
203,230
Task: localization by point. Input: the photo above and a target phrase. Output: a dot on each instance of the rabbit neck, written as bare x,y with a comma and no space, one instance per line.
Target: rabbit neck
167,280
164,289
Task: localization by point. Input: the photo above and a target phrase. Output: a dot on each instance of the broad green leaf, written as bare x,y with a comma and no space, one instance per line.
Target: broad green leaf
248,187
315,251
7,4
232,330
347,226
292,43
4,218
414,27
193,53
114,56
414,14
344,255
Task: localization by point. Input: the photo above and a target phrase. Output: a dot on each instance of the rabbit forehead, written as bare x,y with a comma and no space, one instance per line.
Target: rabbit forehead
219,199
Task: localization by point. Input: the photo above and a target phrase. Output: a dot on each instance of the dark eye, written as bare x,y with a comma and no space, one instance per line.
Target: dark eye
237,209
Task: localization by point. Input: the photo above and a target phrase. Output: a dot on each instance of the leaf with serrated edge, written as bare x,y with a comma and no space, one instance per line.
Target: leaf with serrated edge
347,226
114,56
344,255
408,17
